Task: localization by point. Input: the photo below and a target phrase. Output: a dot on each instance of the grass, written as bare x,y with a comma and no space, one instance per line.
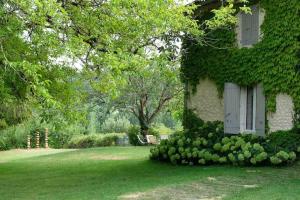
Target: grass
126,173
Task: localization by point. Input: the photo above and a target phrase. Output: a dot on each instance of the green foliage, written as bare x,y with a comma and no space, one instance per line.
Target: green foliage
94,140
195,127
118,124
271,62
4,144
133,132
284,140
162,129
216,148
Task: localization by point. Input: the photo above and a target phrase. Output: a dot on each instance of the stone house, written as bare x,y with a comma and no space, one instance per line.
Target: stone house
242,105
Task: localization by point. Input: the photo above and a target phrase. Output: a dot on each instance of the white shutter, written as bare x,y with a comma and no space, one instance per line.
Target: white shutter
250,27
260,115
232,95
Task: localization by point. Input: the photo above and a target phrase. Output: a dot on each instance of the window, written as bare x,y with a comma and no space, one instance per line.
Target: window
248,29
244,109
247,109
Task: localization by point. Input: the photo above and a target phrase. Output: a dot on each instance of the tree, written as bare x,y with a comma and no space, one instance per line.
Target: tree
149,90
29,78
108,37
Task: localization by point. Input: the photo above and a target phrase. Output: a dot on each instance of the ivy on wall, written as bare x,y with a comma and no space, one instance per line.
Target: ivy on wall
274,61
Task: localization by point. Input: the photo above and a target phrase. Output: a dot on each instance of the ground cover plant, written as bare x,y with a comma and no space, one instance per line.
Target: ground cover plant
127,173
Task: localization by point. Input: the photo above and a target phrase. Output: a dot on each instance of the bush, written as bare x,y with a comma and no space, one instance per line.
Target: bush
58,140
209,146
94,140
14,137
3,144
162,129
284,140
133,132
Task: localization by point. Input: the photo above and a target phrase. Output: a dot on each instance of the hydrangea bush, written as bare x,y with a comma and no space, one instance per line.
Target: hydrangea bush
213,147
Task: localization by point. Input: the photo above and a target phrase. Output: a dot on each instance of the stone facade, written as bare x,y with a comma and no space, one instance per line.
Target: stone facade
206,102
209,106
282,119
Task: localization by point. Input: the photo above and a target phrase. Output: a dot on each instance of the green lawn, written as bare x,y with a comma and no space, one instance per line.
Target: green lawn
126,173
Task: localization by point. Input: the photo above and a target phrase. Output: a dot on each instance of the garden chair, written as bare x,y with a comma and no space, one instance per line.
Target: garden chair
150,139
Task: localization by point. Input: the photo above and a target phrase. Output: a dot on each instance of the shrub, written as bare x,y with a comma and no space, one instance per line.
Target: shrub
209,145
106,140
3,144
15,136
58,139
162,129
133,132
94,140
284,140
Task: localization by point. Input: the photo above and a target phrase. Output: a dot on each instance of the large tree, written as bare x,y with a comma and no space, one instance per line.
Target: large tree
106,37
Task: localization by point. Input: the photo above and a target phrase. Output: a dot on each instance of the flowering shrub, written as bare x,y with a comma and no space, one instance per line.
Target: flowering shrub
217,148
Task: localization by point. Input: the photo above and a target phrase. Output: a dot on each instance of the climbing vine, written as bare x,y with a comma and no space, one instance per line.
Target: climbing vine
274,61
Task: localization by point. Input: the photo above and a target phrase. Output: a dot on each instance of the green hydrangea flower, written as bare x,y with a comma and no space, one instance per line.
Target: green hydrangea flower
247,154
204,142
195,154
261,157
253,161
198,142
240,142
225,147
217,146
180,142
210,135
215,157
241,157
181,149
195,149
283,155
258,147
246,146
207,155
188,140
275,160
222,160
201,161
293,156
201,153
225,140
170,153
231,157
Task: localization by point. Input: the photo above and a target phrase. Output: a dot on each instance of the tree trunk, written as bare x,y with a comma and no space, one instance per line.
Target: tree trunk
144,126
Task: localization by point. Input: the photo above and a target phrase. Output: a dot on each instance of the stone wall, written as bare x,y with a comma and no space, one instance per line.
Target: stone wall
282,119
207,105
206,102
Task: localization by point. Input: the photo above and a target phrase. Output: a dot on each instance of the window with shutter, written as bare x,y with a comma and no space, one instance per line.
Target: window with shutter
249,27
244,109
